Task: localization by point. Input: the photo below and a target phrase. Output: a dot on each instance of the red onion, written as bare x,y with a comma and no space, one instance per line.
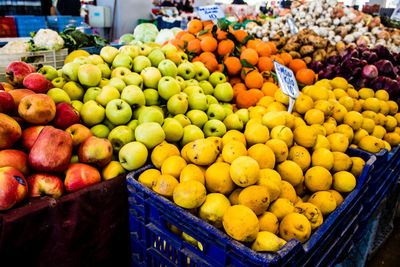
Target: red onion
369,71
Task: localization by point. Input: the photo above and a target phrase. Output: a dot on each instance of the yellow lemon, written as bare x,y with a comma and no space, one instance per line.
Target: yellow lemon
189,194
393,107
322,141
314,116
320,129
233,135
213,209
358,135
279,148
281,97
289,119
382,95
269,222
203,152
381,119
339,142
339,111
287,191
161,152
184,151
281,207
354,119
298,121
244,171
379,131
329,127
301,156
324,200
303,104
267,242
372,104
346,130
352,93
276,106
295,225
318,93
322,157
218,179
305,136
233,150
192,172
257,112
149,177
290,171
365,93
339,92
371,144
263,154
234,196
273,119
368,125
392,138
256,133
74,54
256,197
265,101
312,213
339,82
391,123
344,182
318,178
283,133
384,107
165,185
337,196
241,223
271,180
347,102
357,105
342,162
173,166
325,106
357,166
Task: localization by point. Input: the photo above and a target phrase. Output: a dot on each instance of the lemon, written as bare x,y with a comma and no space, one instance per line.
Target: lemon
301,156
233,150
289,119
257,112
305,136
365,93
337,196
165,185
331,120
301,190
379,131
322,157
382,95
184,151
381,119
330,127
318,178
346,130
281,207
358,135
276,106
387,145
339,111
317,92
74,54
218,179
233,135
287,191
271,180
281,97
314,116
189,194
371,144
244,171
344,181
303,104
391,123
298,121
213,209
312,213
339,82
203,152
368,125
269,222
393,107
217,142
339,92
372,104
256,197
342,162
192,172
319,128
265,101
354,119
370,115
347,102
339,142
267,242
322,141
279,148
241,223
290,171
189,239
256,133
295,225
357,105
357,166
392,138
273,119
263,154
324,200
234,196
384,107
149,177
283,133
325,106
352,93
173,166
161,152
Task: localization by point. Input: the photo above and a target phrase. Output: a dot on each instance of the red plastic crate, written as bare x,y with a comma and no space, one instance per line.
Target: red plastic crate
7,27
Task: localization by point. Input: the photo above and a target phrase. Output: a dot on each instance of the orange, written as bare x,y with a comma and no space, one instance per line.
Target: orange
221,35
221,69
268,76
286,57
273,48
196,58
269,88
253,43
194,46
254,80
178,43
240,35
207,23
195,26
209,44
238,88
305,76
245,71
250,55
211,63
297,64
225,47
248,98
263,50
180,34
233,65
187,37
201,37
234,80
206,54
265,64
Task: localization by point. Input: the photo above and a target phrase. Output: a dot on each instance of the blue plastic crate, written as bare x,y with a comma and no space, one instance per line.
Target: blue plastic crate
153,244
58,23
96,50
27,24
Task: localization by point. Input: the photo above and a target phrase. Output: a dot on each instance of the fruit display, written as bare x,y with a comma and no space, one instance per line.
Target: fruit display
148,33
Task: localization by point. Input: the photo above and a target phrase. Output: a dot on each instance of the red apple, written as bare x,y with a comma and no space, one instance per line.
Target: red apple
37,109
6,102
17,95
16,72
80,175
52,150
13,187
43,184
10,131
96,151
49,85
79,133
14,158
66,115
1,87
32,68
29,136
36,82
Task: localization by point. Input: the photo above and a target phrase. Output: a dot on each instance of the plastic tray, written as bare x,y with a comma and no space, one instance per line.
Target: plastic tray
58,23
27,24
153,244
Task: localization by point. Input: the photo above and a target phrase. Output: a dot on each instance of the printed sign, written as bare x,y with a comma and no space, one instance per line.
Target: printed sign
213,12
396,13
292,26
287,82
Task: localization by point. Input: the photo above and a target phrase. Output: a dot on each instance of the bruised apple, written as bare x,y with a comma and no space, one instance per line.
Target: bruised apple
80,175
37,109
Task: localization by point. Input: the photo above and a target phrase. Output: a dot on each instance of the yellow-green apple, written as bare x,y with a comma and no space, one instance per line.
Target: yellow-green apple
14,158
29,136
212,100
35,82
92,113
107,123
144,50
133,155
6,102
107,94
202,73
173,130
168,68
66,115
103,82
122,60
105,70
117,83
130,50
151,76
81,60
100,131
198,101
52,150
91,94
216,111
150,134
118,112
228,108
151,114
152,97
14,187
77,105
70,71
186,70
58,95
49,72
140,63
137,112
120,72
94,150
191,133
178,104
190,82
156,56
120,136
133,78
207,87
43,184
169,47
108,53
112,170
182,119
167,87
16,72
58,82
214,128
223,92
79,133
95,59
233,122
133,95
181,81
133,124
80,175
174,57
192,89
74,90
37,109
197,117
17,95
217,78
10,131
89,75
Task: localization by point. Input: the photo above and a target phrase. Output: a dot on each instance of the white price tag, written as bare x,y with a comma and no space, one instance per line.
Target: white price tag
396,13
288,83
212,12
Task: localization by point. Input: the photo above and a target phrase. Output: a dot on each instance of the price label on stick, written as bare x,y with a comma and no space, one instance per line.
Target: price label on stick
287,82
212,12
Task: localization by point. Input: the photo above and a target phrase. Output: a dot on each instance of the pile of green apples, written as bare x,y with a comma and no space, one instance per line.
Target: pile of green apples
139,96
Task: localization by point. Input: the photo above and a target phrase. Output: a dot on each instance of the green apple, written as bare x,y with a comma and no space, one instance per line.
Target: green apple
193,89
81,60
108,53
198,101
150,134
103,82
217,78
167,87
173,130
59,82
74,159
182,119
181,81
49,72
186,70
243,115
144,50
95,59
228,108
168,68
108,123
100,131
77,105
211,100
92,113
120,72
122,60
169,47
137,111
58,95
183,56
70,71
216,111
207,87
91,94
74,90
178,104
118,112
140,63
133,95
117,83
130,50
133,124
134,79
107,94
151,76
191,82
151,114
156,56
59,71
89,75
105,70
202,73
120,136
197,117
233,122
223,92
133,155
152,97
214,128
191,133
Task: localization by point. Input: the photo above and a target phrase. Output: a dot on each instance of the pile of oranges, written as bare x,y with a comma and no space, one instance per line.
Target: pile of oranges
246,61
